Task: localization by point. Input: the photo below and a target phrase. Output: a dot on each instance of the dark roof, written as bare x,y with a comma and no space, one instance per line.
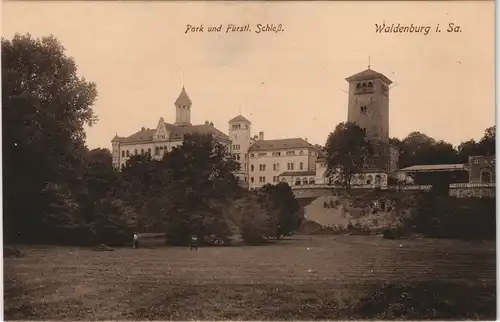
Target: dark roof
176,132
434,168
183,99
297,173
367,75
239,118
281,144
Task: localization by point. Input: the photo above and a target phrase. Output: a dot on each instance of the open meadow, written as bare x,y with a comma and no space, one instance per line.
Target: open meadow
302,277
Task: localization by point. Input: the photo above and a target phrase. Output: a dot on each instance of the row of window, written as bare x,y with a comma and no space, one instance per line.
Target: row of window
287,153
238,126
236,146
158,151
298,181
276,166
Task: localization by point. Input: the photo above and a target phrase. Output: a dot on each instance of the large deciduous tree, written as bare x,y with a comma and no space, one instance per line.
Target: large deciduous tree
287,207
346,150
45,106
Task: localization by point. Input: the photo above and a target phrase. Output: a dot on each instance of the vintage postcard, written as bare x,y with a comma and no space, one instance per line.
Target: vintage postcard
223,160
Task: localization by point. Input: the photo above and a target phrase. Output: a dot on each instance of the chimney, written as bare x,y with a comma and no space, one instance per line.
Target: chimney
143,128
212,124
261,135
206,122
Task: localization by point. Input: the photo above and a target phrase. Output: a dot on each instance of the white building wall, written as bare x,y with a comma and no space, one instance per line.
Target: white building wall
265,168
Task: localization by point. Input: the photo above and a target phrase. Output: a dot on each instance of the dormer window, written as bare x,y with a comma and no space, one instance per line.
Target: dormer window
370,84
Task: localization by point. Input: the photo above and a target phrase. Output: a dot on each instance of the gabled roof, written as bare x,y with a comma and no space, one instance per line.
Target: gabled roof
239,118
367,75
176,133
183,99
295,143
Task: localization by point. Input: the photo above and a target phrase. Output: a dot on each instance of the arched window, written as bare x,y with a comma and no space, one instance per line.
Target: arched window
297,182
378,180
149,151
364,85
370,84
358,85
304,181
369,179
485,176
311,180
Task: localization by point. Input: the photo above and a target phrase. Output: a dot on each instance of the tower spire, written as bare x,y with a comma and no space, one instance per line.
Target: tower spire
369,62
182,79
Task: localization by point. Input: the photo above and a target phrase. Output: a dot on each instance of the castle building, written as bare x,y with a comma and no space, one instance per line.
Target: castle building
292,160
283,160
368,107
160,140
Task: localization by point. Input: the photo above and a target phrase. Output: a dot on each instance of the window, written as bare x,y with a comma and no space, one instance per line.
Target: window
274,167
135,151
149,151
142,151
262,167
236,146
301,166
358,85
297,182
301,153
123,154
476,161
262,179
251,179
363,109
289,166
290,152
276,154
236,126
128,153
304,181
251,155
311,180
370,84
262,154
277,167
275,179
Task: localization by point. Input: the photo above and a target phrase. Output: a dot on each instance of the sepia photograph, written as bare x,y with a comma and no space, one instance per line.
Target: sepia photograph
249,160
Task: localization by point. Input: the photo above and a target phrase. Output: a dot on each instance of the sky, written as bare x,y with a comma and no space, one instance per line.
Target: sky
288,84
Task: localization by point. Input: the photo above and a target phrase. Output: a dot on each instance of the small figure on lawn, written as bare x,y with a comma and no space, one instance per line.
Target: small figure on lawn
194,242
135,241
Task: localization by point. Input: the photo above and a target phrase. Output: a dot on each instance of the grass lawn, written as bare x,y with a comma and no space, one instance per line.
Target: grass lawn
304,277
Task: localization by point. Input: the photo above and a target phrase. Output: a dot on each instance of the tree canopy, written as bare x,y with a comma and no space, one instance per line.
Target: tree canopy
347,151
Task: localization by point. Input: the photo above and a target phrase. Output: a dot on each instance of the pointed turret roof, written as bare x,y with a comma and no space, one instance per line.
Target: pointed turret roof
239,118
183,99
367,75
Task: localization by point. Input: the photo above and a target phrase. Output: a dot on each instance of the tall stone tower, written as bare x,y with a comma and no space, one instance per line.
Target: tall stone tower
183,109
368,107
369,103
240,134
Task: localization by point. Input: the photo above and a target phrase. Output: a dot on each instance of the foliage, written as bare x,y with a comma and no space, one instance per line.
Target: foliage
347,151
288,209
255,216
45,106
441,216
